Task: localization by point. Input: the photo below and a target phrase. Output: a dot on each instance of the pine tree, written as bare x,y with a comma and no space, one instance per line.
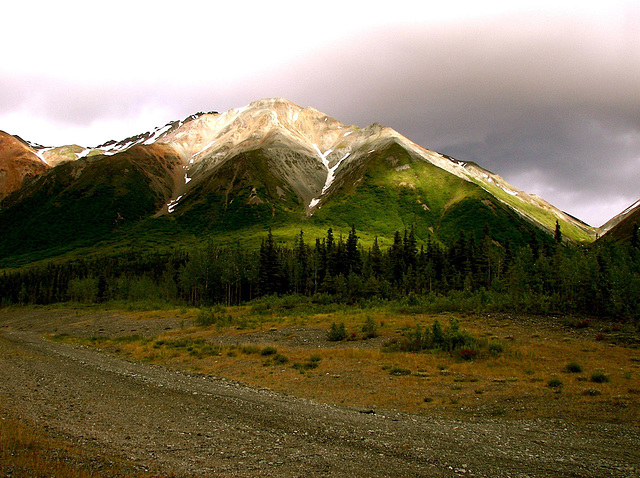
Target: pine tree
269,269
635,240
353,259
301,265
409,249
558,234
375,259
396,257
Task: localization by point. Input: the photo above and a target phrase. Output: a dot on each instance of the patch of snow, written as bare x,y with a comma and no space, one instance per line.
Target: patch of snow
330,172
157,133
187,179
203,149
172,204
40,154
83,153
509,191
347,133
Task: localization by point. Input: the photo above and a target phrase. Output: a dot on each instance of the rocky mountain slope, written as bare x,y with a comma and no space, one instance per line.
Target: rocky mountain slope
18,163
623,226
270,161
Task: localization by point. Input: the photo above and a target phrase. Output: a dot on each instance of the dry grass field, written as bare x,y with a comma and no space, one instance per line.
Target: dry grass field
547,367
27,450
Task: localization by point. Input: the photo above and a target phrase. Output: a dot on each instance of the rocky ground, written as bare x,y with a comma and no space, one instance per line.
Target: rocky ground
192,425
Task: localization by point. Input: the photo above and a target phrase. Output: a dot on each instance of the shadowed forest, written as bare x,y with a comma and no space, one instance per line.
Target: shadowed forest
468,274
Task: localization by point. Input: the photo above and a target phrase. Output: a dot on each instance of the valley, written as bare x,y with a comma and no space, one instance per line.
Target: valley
269,291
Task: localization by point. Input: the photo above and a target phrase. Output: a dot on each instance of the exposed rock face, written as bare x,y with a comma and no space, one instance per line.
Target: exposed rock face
18,162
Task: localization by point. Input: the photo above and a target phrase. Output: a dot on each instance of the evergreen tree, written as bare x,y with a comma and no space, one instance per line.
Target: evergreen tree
375,259
352,253
396,258
558,234
409,249
301,265
635,239
269,269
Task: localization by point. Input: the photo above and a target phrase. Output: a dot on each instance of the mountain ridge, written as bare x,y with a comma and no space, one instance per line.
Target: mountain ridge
274,160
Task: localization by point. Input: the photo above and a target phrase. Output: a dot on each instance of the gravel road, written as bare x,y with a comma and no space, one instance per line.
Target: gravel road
193,425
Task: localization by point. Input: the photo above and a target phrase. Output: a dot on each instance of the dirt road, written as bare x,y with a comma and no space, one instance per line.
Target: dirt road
193,425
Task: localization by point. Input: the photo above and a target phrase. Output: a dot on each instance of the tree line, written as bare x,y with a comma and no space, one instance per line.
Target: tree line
542,277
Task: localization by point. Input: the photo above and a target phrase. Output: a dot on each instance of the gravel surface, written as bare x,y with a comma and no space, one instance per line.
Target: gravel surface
193,425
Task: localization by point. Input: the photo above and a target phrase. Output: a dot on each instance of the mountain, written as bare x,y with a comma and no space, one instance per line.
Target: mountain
623,226
268,164
18,163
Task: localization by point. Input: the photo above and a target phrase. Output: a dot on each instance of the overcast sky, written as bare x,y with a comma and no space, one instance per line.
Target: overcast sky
544,93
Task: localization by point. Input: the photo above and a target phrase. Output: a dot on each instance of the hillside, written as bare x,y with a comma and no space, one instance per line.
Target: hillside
271,164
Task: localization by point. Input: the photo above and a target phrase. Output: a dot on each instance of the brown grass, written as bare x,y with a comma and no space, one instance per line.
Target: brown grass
26,450
513,384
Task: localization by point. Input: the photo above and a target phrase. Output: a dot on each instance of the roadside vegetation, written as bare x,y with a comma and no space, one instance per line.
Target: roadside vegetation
389,356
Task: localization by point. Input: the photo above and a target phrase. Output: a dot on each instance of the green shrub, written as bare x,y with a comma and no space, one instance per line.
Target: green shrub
207,317
249,349
599,377
591,392
268,351
495,348
280,359
337,332
399,371
573,367
554,383
370,329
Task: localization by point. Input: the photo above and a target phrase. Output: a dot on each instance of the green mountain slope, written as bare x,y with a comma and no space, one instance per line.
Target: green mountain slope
84,201
393,191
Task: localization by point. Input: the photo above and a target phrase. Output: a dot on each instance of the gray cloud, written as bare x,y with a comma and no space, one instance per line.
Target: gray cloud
559,102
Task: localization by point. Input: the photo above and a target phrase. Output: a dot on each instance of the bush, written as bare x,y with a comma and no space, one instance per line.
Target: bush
83,290
467,354
280,359
554,383
370,329
599,377
207,317
495,348
249,349
313,362
399,371
268,351
573,367
337,332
